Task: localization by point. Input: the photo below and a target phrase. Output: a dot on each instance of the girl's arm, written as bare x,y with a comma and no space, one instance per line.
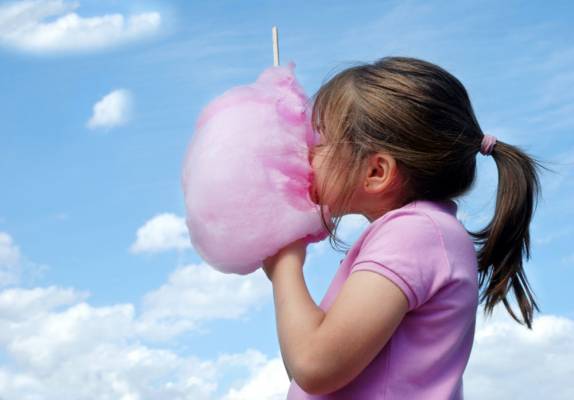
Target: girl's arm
359,323
297,315
325,351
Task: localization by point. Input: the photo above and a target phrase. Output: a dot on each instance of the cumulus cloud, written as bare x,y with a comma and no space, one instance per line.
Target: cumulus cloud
114,109
136,371
199,293
18,304
48,26
161,233
510,361
60,346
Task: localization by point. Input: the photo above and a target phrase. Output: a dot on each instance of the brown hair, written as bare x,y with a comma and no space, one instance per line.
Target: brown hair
422,116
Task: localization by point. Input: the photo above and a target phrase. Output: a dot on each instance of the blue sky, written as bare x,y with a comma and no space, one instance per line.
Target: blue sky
100,290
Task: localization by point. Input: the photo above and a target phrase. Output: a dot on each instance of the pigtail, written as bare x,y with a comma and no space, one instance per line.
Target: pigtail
506,239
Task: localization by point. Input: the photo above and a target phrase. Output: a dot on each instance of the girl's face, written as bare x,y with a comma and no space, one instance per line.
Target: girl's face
368,198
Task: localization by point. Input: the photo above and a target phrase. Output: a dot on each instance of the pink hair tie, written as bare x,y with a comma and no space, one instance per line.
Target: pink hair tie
488,142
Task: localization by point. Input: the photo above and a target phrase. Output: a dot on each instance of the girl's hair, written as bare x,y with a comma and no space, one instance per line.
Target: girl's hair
422,116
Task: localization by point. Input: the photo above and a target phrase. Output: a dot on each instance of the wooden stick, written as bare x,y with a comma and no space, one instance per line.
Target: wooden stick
275,46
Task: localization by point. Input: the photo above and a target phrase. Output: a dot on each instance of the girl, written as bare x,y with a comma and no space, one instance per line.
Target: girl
398,142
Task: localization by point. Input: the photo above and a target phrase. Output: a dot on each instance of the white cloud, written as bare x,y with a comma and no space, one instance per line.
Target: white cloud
198,293
24,26
270,382
62,347
40,343
18,304
10,260
114,109
162,233
510,361
115,371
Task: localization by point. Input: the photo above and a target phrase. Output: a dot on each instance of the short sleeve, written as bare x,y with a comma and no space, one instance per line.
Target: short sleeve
406,247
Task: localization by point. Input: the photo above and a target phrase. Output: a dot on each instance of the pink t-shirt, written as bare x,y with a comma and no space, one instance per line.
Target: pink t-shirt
427,253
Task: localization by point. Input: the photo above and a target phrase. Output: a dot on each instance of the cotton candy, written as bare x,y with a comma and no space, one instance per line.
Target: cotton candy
246,176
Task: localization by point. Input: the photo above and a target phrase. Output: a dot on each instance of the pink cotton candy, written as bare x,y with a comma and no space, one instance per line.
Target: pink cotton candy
246,176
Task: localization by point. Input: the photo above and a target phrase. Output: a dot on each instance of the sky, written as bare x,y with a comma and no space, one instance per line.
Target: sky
101,293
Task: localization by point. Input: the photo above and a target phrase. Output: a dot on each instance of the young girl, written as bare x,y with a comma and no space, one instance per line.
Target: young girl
398,142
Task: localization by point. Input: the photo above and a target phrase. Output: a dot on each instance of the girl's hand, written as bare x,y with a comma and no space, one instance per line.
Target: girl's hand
295,252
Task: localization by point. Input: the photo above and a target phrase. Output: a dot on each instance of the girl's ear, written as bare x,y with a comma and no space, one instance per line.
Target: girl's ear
381,172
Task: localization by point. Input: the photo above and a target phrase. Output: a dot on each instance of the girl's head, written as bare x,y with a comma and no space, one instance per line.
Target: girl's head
403,129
